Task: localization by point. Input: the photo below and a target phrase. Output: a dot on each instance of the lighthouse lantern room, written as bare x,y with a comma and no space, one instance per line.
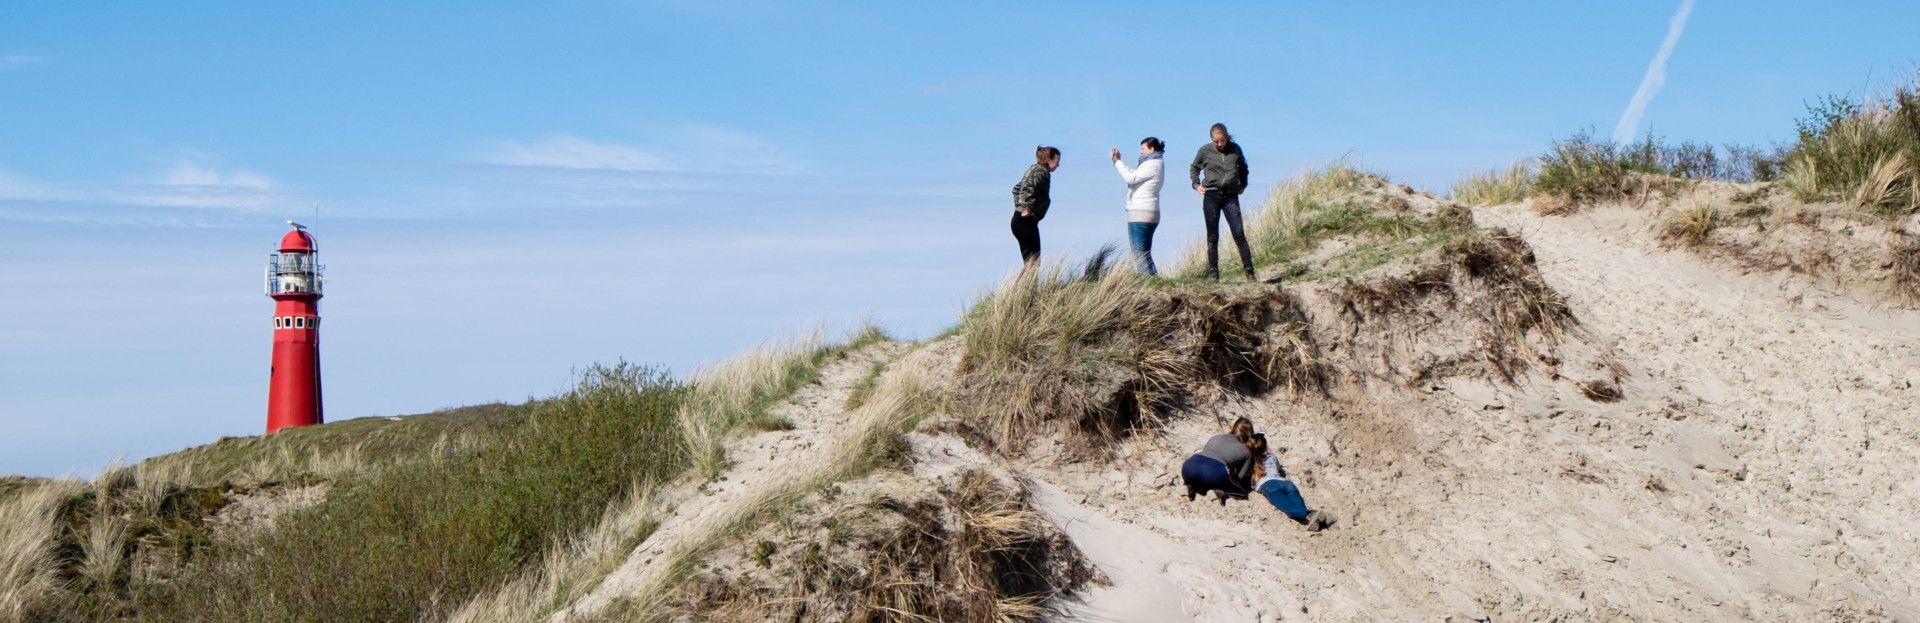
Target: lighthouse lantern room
294,282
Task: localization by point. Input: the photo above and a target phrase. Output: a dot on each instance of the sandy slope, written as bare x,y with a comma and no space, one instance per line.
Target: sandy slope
1758,469
760,465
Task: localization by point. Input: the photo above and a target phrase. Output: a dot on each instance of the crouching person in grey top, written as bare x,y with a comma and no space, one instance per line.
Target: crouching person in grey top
1031,198
1219,174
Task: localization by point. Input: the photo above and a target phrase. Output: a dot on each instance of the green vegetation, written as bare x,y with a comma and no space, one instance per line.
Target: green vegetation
863,388
1104,350
1581,170
335,449
1862,153
1307,209
411,541
409,518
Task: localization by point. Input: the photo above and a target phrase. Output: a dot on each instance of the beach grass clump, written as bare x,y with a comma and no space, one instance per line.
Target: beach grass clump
1862,153
891,549
1512,185
30,556
1691,225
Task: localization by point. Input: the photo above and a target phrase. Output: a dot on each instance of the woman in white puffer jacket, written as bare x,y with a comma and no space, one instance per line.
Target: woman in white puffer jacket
1143,199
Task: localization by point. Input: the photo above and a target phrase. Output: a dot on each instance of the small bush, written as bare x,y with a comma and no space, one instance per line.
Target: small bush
1582,170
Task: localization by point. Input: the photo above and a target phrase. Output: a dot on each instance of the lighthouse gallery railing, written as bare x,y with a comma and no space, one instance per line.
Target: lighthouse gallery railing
302,276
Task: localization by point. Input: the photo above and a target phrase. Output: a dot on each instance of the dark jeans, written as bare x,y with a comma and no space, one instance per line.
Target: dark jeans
1205,473
1026,229
1141,235
1286,497
1214,204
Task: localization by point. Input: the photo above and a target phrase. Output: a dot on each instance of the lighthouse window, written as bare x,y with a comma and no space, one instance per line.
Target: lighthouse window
276,322
300,323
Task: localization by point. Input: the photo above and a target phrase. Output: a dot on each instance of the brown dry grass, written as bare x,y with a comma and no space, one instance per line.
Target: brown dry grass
1101,358
29,558
1692,224
1906,271
975,551
1513,185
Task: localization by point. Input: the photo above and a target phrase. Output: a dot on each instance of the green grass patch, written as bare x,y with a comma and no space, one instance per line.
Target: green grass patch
291,454
415,540
863,388
1361,258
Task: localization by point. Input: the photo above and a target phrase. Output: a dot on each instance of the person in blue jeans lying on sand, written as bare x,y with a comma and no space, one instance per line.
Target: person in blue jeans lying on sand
1270,481
1224,466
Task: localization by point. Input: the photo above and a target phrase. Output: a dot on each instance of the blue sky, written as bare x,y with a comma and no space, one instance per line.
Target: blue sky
507,192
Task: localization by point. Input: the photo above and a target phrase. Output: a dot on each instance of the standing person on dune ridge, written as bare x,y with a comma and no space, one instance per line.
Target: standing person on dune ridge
1219,174
1143,199
1032,195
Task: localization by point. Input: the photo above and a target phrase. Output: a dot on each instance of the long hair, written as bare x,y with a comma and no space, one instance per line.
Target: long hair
1242,430
1045,153
1258,446
1222,129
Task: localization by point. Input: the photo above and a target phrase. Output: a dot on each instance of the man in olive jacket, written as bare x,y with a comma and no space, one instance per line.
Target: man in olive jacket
1219,174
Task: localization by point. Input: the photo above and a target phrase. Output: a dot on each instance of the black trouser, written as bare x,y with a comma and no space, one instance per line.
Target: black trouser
1026,229
1214,204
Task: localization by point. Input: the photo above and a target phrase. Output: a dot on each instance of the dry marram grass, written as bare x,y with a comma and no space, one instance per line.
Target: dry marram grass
29,562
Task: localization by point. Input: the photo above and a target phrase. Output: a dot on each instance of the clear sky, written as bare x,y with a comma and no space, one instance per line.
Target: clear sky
507,192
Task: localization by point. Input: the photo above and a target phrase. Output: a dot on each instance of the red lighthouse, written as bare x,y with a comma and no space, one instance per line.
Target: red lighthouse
294,283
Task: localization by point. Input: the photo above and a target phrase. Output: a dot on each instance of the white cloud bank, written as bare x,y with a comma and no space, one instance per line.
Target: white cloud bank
1655,78
572,152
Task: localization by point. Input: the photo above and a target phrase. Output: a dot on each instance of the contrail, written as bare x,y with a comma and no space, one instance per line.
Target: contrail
1656,76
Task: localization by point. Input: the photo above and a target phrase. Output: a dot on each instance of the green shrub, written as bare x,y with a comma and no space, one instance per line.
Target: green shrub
1582,170
415,540
1861,153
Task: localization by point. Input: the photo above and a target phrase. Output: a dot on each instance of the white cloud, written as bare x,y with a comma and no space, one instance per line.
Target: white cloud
189,183
10,61
743,152
195,174
572,152
1655,78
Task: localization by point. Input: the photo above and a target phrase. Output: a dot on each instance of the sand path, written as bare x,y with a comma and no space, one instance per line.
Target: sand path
761,464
